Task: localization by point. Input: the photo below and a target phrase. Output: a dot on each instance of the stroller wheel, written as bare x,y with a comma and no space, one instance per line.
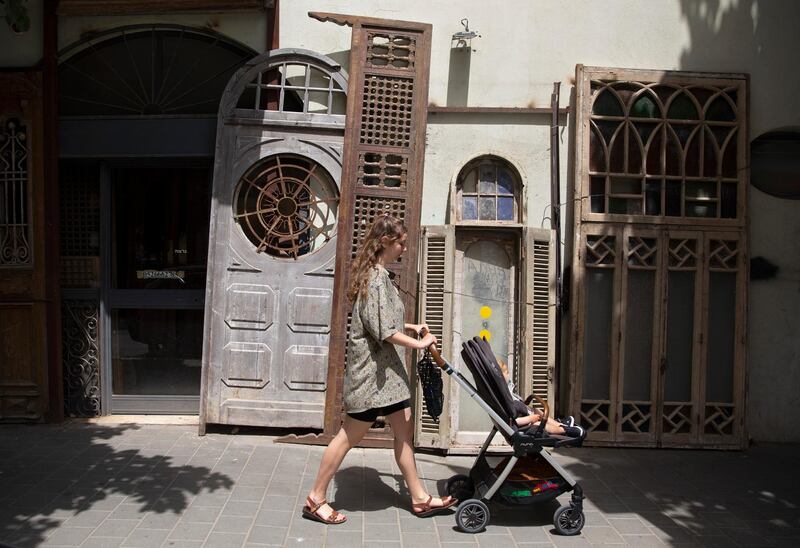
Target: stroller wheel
568,521
460,487
472,516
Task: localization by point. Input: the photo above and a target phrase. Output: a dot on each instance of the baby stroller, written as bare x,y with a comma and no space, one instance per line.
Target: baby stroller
530,475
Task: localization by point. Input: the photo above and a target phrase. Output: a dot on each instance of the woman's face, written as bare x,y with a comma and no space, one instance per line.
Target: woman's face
392,249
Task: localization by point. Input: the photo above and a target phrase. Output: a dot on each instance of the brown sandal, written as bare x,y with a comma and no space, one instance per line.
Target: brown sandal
311,508
424,509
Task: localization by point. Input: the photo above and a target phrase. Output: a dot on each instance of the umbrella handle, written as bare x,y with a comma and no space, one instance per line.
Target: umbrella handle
433,350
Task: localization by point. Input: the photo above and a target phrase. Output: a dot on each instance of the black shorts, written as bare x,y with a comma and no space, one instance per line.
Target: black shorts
370,415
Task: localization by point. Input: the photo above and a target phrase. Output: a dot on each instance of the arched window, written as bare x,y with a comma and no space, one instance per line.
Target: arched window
488,190
148,70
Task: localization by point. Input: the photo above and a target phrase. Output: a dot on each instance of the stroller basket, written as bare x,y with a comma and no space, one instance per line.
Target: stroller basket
530,475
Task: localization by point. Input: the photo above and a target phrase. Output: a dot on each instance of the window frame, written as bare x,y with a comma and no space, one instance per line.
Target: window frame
475,164
586,75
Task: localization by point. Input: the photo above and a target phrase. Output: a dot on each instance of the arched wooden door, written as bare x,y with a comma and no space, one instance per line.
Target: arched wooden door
272,242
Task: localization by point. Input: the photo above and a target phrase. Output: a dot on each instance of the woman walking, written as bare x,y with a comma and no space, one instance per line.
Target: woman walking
376,382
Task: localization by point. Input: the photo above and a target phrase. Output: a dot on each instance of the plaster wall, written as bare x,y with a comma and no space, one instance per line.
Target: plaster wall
526,45
26,49
249,28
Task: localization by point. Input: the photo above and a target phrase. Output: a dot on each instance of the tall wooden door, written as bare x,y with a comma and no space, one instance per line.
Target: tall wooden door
23,331
272,242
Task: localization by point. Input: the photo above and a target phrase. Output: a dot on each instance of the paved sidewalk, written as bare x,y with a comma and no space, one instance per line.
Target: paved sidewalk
153,485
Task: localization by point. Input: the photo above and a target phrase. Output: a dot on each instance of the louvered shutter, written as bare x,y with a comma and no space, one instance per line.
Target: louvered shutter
539,317
436,309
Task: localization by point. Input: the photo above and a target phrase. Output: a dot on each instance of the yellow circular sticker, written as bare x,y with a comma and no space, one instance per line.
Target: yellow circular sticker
486,312
484,334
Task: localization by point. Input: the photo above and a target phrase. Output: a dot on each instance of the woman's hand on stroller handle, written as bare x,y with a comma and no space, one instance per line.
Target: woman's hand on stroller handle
431,346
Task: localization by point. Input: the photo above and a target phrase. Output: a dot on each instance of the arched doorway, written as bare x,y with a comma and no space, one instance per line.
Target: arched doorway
138,115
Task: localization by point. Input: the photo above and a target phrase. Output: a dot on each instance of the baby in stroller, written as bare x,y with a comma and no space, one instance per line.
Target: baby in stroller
526,416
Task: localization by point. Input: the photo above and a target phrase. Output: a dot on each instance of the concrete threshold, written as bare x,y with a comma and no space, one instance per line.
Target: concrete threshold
181,420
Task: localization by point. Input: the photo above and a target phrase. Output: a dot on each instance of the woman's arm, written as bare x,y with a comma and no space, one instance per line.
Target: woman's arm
409,342
416,327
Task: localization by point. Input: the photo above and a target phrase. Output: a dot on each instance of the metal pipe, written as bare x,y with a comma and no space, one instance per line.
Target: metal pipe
555,225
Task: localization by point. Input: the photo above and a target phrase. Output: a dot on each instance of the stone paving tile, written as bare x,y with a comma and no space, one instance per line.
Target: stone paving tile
154,486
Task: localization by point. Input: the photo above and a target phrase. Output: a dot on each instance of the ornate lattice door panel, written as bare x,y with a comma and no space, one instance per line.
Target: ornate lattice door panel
661,172
661,360
382,169
23,308
273,242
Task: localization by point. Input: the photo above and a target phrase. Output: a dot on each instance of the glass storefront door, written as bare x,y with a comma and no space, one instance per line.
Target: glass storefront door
157,246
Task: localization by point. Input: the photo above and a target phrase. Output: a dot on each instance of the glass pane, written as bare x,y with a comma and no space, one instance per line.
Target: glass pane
606,104
488,176
639,335
721,326
296,75
160,228
645,107
626,186
701,189
728,206
505,208
470,211
680,336
720,110
156,351
598,194
682,108
673,198
625,206
318,101
505,183
487,209
485,312
701,209
597,344
653,198
470,185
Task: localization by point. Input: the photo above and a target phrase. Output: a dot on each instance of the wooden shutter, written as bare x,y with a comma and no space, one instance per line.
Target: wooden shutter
384,146
436,309
539,316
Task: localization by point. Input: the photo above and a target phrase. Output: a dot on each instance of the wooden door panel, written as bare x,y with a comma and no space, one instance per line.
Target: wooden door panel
23,313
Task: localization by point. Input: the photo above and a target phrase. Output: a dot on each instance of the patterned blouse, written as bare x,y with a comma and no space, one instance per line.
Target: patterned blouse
376,372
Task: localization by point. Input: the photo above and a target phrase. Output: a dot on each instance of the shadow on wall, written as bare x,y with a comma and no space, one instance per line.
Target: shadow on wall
55,473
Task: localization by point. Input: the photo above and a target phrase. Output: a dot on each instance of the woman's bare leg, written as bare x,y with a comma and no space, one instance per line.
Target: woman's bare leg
403,430
351,432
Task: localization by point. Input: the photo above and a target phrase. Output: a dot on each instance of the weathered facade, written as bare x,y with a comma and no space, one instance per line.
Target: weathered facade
666,340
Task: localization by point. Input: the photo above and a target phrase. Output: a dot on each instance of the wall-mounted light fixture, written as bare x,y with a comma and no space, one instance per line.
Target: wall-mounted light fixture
463,38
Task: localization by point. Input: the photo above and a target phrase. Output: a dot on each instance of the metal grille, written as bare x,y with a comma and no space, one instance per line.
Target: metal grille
387,112
81,357
286,206
148,70
15,247
391,50
80,226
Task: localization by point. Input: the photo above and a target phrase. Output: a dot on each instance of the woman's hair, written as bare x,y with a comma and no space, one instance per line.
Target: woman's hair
367,256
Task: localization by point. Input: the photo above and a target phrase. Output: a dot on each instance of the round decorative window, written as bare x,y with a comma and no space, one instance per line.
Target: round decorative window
286,206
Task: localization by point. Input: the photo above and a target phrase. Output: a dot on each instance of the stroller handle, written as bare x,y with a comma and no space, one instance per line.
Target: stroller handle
433,350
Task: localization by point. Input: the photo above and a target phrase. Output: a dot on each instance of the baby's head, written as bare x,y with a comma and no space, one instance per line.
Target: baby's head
503,368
